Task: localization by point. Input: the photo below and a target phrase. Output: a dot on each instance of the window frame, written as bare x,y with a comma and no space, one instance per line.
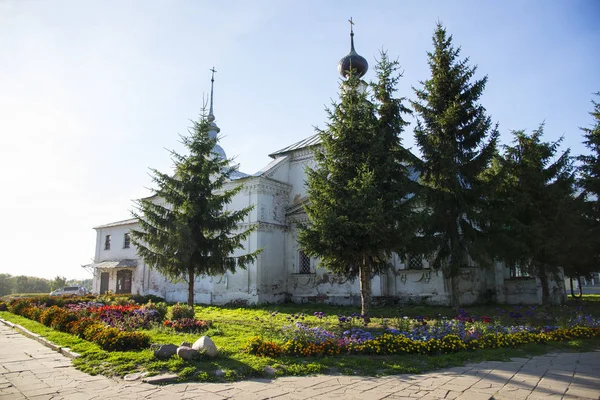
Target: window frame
126,240
304,263
410,258
107,242
516,272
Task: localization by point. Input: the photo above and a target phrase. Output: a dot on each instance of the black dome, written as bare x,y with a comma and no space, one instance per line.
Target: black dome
353,60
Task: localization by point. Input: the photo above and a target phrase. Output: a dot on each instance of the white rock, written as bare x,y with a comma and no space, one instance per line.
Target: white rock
187,353
205,345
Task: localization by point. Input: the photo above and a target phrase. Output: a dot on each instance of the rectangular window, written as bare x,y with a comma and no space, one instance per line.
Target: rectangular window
518,272
107,242
126,241
303,263
414,261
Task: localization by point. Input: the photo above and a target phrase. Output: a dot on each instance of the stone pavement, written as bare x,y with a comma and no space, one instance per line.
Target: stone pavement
28,370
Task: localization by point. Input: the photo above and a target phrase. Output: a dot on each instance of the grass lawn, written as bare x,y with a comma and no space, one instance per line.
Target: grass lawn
233,327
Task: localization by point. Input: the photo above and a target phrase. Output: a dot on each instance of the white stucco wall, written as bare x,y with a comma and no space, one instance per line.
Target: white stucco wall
277,194
116,251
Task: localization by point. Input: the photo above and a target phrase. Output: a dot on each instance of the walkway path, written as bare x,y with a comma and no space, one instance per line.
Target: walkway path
28,370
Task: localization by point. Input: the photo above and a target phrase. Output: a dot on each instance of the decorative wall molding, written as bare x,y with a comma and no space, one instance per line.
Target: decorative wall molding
269,186
269,227
302,155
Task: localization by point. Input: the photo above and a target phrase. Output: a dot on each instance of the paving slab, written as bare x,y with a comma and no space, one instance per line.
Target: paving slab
29,370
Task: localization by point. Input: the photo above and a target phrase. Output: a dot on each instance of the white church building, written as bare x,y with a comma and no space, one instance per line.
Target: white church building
282,272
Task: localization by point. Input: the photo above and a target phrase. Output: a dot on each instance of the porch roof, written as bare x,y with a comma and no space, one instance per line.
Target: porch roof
127,263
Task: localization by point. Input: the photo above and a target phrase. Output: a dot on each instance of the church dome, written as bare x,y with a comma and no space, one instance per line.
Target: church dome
353,60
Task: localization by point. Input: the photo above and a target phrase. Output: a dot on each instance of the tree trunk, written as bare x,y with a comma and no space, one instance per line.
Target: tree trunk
191,287
571,283
580,288
455,295
364,271
545,288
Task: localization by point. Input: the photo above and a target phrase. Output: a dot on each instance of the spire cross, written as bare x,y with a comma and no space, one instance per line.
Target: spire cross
212,83
351,34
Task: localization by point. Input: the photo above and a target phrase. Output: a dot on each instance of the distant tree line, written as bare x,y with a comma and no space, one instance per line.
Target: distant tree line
31,284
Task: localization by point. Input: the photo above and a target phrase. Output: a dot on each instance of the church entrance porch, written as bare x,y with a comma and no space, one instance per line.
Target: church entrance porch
124,281
104,276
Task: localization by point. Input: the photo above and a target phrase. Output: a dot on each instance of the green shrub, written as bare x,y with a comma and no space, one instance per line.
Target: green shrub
3,306
32,313
79,326
113,339
18,305
62,320
180,311
110,299
161,308
91,330
189,325
49,301
49,314
143,299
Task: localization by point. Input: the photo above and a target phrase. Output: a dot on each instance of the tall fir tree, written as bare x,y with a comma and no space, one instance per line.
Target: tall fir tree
457,142
359,194
186,230
535,207
589,180
579,249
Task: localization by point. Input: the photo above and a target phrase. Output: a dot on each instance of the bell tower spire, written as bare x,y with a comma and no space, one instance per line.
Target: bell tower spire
211,116
351,35
353,60
214,130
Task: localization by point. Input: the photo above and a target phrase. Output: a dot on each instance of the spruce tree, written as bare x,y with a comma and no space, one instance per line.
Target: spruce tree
457,142
579,250
536,218
359,193
589,180
185,228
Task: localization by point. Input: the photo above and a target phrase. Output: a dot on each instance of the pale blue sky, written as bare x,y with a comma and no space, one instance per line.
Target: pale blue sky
91,92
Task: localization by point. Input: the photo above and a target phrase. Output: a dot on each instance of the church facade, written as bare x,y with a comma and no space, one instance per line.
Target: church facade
282,271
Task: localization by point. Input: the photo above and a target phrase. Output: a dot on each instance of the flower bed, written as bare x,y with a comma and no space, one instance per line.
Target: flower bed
126,318
188,325
418,335
90,321
112,326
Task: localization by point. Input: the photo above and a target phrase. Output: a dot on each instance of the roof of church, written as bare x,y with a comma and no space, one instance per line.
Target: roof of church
238,175
124,222
308,142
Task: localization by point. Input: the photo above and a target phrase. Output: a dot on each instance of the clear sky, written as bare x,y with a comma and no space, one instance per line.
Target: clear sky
92,92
